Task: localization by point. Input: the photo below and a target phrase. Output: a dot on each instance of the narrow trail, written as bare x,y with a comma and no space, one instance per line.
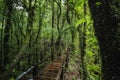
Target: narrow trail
55,70
52,71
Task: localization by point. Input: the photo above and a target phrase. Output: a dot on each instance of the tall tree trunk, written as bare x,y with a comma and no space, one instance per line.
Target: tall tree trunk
9,9
1,46
106,29
52,37
41,15
58,28
31,15
83,47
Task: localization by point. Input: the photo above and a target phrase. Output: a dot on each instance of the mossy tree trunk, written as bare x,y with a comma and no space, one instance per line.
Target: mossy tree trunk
106,27
52,35
8,25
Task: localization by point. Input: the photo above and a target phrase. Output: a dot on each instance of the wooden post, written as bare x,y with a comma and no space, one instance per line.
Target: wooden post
35,71
62,73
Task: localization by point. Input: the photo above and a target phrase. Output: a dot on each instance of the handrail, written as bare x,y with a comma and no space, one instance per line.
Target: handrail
24,73
32,68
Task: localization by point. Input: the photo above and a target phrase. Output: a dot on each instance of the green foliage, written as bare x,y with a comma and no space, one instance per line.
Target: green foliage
92,48
92,52
0,28
98,3
42,32
81,21
12,78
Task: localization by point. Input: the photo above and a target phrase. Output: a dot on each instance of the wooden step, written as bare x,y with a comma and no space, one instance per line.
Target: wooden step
50,72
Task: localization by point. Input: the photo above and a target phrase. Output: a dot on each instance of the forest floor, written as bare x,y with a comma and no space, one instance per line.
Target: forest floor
72,72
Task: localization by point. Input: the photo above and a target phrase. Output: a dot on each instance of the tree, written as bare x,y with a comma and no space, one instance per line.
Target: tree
9,8
106,18
52,36
82,40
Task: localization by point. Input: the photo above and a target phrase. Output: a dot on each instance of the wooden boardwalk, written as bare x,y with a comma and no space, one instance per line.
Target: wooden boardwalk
51,72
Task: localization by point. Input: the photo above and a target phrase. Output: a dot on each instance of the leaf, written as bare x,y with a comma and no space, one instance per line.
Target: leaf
12,78
98,3
90,53
0,28
92,77
13,70
80,21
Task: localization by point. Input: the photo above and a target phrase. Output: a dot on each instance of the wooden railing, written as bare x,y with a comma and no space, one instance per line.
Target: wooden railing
32,71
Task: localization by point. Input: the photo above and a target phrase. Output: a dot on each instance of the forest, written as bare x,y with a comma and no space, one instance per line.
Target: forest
59,39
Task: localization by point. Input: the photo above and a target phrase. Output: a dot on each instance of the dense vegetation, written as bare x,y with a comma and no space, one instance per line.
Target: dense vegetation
88,31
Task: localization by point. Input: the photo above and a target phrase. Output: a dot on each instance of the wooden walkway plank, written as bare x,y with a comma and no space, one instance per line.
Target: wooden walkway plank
51,72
